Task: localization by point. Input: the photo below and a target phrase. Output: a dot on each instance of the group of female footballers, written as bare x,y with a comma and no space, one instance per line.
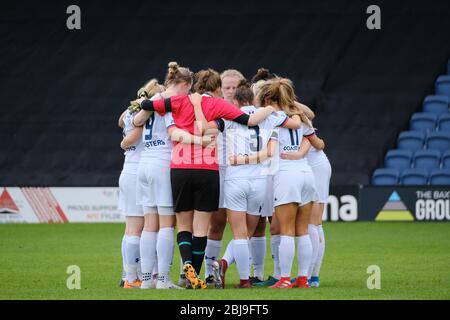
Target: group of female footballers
209,149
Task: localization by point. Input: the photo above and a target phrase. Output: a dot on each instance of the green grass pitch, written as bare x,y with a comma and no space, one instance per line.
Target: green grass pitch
414,259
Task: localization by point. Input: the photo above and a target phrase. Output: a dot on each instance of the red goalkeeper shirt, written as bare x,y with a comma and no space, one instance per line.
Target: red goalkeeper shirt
185,156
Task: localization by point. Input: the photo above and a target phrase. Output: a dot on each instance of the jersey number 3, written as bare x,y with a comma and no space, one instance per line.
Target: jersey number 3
258,138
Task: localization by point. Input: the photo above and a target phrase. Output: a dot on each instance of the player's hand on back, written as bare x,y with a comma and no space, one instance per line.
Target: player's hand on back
138,101
134,107
289,156
195,98
209,141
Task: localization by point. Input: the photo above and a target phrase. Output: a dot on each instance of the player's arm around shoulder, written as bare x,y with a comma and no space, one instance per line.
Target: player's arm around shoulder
131,138
293,122
141,117
200,120
315,141
179,135
120,122
258,117
261,156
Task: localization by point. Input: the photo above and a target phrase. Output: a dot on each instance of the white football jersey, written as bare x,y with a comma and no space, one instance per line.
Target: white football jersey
243,140
221,145
289,141
132,153
221,141
155,138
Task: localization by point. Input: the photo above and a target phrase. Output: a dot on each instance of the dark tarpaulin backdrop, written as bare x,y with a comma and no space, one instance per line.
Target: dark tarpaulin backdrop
62,91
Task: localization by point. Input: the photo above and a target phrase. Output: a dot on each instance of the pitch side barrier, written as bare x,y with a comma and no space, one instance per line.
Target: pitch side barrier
405,203
393,203
345,204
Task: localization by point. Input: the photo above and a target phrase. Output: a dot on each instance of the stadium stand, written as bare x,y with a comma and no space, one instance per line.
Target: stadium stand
411,140
446,159
66,88
423,121
398,159
414,176
385,177
443,85
438,141
444,122
437,104
428,139
427,159
440,177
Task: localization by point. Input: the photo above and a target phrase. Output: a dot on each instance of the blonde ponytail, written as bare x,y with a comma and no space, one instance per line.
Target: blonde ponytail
281,92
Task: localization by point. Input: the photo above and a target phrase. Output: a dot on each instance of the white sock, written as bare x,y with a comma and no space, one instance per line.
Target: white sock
212,252
287,254
258,245
304,254
275,243
163,278
314,235
164,249
139,269
181,266
241,254
148,253
155,264
124,240
320,253
132,257
229,255
250,258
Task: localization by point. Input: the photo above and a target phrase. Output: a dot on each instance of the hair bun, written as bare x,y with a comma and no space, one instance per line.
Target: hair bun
173,67
263,73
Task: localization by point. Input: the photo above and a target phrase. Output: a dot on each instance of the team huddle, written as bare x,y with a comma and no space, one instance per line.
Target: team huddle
208,149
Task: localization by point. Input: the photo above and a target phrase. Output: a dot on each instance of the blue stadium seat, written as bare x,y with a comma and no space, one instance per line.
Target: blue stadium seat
398,159
438,140
440,177
427,159
414,177
446,159
423,121
436,104
443,85
411,140
444,122
385,177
